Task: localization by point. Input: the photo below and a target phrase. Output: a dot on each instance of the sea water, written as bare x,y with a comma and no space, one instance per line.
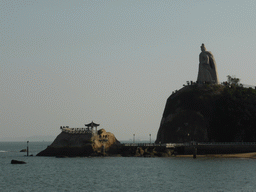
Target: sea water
121,173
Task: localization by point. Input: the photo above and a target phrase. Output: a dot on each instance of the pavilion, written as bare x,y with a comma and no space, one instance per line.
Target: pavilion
91,125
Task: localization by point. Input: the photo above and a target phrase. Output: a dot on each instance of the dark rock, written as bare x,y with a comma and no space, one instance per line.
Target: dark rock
139,152
17,162
82,145
209,113
61,156
23,150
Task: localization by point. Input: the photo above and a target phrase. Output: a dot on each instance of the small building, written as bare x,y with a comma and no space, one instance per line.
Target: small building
91,126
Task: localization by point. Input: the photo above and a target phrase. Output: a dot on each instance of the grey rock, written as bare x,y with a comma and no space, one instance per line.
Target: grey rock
17,162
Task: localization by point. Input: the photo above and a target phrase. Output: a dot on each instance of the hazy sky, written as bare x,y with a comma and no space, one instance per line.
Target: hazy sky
111,61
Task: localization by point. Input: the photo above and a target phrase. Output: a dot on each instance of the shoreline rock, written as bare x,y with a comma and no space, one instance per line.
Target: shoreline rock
17,162
88,144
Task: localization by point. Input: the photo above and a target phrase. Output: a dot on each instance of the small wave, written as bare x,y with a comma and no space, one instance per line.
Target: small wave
1,151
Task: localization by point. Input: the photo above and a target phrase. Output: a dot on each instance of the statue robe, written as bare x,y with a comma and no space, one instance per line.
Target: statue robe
207,68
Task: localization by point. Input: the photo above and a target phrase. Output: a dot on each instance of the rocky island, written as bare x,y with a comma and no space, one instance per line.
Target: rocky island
209,113
196,119
88,142
82,142
206,111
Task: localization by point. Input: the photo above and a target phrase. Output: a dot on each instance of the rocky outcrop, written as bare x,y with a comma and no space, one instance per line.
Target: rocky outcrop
17,162
89,144
146,151
209,113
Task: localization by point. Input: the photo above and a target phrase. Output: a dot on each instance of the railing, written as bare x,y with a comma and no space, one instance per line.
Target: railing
188,83
76,130
249,86
173,145
143,144
167,145
227,143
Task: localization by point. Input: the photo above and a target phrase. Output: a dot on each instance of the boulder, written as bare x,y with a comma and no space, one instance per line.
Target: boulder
17,162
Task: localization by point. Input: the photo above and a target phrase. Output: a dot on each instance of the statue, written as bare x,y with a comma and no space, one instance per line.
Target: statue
207,68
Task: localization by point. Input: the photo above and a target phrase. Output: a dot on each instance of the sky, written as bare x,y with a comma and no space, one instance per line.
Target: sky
114,62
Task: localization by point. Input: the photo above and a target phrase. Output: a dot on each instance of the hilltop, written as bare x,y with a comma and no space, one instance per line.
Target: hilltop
204,113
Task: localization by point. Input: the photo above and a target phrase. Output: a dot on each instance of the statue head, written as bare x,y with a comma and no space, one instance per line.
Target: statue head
203,48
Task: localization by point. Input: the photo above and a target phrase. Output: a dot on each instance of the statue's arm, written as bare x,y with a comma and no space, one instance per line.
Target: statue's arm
203,58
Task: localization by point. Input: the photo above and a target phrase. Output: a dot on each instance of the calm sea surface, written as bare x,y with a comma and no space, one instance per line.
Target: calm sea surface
121,173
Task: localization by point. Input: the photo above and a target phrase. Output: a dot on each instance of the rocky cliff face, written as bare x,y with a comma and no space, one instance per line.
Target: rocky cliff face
67,144
209,113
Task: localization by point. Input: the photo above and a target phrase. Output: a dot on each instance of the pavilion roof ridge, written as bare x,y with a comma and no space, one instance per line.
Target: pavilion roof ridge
92,124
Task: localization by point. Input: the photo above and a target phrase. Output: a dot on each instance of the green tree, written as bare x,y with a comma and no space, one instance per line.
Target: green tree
232,80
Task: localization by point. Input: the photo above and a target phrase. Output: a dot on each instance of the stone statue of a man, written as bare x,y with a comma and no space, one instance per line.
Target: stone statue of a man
207,72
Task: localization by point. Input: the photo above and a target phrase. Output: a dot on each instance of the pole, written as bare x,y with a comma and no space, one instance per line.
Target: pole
150,138
195,152
133,138
104,148
27,148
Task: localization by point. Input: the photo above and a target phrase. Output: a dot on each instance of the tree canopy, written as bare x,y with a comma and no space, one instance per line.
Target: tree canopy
233,80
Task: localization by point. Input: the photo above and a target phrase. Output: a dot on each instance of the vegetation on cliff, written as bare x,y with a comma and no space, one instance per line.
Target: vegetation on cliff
234,115
222,113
